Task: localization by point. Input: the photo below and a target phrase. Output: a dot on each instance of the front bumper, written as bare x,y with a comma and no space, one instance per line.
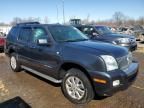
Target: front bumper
126,78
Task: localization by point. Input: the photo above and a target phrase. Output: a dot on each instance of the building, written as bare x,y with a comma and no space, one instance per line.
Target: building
75,21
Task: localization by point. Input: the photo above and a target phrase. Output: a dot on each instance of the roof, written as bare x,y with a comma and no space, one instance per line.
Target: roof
89,25
38,24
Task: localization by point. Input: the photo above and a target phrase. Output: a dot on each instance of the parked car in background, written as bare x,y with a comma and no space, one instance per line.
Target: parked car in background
104,34
138,31
2,41
125,30
63,54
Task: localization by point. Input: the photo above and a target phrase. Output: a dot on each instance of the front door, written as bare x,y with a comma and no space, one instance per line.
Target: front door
44,57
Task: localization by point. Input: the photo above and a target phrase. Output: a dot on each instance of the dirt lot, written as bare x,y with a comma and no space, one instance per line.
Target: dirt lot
40,93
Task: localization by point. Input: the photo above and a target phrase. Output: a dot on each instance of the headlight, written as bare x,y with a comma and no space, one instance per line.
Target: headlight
111,63
123,40
114,42
130,58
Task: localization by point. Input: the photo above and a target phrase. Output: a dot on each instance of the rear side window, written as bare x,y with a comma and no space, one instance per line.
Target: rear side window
13,32
25,33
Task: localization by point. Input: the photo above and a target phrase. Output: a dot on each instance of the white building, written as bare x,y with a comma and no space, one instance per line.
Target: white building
5,28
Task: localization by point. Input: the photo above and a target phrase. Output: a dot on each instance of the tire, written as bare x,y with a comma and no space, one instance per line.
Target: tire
14,64
1,50
71,88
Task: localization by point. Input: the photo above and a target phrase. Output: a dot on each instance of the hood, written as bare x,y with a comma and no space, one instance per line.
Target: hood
99,48
116,35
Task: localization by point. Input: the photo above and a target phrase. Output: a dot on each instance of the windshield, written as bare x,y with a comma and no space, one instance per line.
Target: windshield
66,34
103,29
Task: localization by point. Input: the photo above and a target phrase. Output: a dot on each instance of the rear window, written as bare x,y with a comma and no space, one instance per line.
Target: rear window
25,33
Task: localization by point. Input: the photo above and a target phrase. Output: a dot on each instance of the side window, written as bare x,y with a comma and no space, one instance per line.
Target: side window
85,30
38,33
91,30
25,33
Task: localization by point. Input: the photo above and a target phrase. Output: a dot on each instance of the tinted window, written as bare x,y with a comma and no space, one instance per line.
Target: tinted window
13,32
38,33
103,30
88,30
25,33
85,30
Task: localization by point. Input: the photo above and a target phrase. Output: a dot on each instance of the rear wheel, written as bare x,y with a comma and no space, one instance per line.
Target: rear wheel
15,66
77,87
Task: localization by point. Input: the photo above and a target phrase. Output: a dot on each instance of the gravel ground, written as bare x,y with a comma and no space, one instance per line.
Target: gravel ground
40,93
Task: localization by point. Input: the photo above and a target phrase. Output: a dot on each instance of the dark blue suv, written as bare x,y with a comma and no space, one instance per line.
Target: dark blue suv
62,54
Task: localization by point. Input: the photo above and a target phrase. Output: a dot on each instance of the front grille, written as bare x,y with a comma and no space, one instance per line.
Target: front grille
124,61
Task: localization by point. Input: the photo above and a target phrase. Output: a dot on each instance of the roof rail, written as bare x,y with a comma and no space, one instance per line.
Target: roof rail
28,23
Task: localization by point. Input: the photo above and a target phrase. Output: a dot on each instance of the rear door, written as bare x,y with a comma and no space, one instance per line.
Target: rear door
22,46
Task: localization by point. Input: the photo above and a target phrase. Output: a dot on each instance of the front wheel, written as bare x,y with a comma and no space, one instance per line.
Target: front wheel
77,87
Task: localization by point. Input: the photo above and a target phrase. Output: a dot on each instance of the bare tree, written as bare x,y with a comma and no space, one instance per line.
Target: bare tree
16,20
38,19
130,22
46,20
2,24
84,21
119,18
140,21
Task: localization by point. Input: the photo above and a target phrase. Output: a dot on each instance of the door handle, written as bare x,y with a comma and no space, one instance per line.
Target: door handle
32,47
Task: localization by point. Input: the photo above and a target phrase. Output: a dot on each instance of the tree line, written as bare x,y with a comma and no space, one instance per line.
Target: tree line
118,19
17,20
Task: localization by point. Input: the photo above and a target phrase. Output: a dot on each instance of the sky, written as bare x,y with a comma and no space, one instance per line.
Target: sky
95,9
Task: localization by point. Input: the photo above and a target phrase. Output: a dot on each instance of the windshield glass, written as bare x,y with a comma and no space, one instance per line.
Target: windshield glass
103,29
66,34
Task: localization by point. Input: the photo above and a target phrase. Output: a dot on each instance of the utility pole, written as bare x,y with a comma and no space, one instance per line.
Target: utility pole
57,14
88,16
63,12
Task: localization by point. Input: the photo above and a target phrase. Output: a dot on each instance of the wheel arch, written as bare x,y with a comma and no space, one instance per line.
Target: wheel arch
11,50
69,65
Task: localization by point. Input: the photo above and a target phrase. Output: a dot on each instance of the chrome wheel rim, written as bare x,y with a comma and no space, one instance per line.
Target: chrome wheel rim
13,62
75,87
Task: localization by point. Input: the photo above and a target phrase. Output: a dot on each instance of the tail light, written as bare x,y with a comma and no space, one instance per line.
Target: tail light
2,41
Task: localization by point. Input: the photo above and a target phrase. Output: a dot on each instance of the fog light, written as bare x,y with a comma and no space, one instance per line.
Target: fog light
116,83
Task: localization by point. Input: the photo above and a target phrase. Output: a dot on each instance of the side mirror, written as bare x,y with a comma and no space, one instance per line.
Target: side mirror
43,42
